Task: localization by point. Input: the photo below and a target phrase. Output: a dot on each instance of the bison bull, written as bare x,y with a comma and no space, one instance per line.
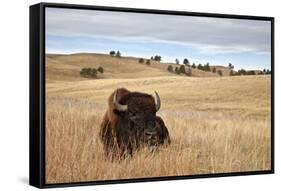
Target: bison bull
130,122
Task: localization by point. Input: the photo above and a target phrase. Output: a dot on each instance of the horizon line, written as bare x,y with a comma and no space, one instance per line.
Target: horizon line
161,62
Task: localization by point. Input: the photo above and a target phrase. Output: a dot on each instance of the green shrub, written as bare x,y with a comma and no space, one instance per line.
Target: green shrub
112,53
200,67
94,73
118,54
242,72
170,68
147,62
177,70
182,69
100,70
156,58
186,62
206,67
177,61
91,72
141,60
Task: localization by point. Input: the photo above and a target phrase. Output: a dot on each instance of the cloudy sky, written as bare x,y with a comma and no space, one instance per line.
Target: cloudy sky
244,43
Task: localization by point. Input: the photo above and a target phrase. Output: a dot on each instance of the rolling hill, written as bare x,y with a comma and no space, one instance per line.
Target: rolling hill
67,67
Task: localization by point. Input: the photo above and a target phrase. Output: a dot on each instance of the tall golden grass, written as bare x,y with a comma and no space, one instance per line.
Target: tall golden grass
216,125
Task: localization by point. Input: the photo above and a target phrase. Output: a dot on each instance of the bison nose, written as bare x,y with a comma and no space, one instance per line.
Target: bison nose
150,133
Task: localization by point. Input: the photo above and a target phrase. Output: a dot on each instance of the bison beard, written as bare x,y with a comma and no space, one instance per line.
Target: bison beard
130,122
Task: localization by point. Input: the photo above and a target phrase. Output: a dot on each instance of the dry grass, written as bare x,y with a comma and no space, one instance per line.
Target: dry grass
216,125
198,146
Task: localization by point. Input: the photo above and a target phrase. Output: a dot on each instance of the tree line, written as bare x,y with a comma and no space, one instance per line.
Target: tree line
147,61
250,72
182,70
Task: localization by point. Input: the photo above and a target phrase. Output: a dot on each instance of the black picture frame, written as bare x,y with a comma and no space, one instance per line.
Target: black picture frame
37,94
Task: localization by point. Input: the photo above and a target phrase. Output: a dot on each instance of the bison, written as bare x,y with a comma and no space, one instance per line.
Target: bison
130,122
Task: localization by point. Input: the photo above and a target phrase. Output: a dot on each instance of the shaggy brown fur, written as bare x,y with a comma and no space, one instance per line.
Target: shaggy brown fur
109,123
116,133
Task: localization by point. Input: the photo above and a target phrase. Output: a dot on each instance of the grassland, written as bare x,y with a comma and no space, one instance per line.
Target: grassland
217,124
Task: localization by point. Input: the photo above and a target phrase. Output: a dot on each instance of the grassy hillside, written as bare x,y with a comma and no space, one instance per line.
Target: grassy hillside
67,67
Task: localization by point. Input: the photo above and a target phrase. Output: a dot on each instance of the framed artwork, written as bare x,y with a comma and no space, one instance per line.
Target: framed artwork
127,95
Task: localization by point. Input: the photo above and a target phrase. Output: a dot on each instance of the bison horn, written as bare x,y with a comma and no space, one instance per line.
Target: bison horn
157,101
116,103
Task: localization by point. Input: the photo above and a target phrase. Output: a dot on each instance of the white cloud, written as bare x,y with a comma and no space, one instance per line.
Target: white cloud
209,35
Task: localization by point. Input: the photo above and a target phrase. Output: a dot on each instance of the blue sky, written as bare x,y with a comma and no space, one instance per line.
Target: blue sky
244,43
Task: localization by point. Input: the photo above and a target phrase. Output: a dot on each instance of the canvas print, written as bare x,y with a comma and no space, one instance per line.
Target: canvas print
137,95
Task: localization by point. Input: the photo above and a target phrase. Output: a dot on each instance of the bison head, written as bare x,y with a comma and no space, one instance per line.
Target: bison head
137,112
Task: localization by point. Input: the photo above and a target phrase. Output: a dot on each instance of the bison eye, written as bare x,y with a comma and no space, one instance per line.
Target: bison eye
133,114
